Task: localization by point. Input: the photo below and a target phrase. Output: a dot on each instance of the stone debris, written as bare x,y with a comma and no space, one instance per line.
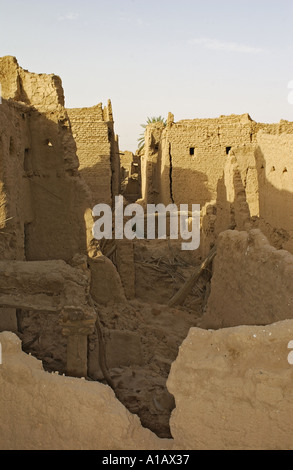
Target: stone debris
119,312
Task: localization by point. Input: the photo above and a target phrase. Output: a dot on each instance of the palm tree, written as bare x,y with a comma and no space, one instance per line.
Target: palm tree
151,120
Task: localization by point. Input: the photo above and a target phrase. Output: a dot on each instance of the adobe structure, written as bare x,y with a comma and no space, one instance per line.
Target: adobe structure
236,169
159,348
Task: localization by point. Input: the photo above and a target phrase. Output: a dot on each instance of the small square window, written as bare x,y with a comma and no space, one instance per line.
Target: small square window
228,150
192,151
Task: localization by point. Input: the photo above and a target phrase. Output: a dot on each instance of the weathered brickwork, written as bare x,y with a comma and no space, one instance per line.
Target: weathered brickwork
234,167
97,150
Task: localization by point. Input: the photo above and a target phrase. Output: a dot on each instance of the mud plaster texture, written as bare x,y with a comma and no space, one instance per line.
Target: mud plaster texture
232,389
252,282
97,150
55,165
41,191
41,411
238,170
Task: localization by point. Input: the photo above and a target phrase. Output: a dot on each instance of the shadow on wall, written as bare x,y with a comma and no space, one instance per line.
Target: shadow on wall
275,205
44,192
98,179
163,188
181,187
217,217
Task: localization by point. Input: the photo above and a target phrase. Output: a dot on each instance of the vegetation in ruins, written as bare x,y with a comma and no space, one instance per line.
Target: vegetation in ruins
151,120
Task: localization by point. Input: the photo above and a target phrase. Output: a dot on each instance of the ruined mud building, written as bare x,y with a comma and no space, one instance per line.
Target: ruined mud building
57,163
236,169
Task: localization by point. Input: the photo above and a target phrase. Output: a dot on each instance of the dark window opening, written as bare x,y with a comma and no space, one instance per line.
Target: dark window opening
192,151
228,150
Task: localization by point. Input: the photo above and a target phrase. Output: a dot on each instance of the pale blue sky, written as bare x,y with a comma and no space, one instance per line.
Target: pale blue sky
194,58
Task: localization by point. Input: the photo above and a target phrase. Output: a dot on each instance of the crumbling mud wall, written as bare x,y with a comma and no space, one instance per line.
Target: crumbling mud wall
150,167
232,391
188,157
42,192
198,150
236,169
46,205
274,158
30,88
252,282
258,187
40,411
43,286
81,303
192,155
97,150
44,202
130,176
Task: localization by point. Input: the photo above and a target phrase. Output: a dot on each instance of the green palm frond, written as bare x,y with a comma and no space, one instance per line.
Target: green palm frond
150,120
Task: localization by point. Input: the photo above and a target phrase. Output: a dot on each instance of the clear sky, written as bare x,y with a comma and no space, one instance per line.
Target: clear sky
195,58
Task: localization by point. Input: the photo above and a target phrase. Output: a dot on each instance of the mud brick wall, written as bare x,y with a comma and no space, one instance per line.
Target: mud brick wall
97,150
39,411
232,389
42,193
230,386
252,282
